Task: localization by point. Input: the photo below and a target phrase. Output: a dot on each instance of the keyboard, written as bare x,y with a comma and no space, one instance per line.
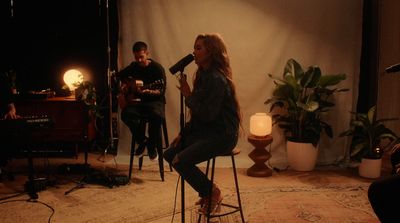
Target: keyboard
34,121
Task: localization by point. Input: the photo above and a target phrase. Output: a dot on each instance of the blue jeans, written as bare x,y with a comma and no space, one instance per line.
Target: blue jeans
197,148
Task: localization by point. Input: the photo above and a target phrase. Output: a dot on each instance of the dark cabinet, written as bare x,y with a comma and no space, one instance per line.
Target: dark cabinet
71,122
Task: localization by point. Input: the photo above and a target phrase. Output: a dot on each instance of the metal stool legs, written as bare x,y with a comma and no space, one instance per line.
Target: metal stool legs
234,208
159,147
237,188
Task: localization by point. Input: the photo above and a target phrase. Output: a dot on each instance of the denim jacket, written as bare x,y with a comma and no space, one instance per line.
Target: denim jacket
212,106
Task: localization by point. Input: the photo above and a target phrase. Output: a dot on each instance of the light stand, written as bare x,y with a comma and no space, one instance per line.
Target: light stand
87,171
109,89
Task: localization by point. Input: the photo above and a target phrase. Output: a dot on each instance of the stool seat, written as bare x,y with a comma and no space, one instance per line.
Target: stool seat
234,208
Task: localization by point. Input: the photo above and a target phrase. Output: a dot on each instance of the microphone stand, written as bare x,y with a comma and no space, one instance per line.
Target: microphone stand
182,126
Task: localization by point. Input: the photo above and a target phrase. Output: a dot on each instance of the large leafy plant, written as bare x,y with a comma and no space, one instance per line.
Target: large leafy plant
368,134
303,97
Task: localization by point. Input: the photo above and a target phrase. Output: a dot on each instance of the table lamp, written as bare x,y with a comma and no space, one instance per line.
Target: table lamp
72,79
260,137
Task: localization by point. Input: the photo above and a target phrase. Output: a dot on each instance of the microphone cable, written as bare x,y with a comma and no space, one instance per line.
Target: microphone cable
176,192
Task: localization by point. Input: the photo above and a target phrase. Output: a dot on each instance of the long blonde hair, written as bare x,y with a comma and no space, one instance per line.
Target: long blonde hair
219,60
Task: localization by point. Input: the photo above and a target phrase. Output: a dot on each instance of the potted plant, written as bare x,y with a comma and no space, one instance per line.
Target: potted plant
86,92
370,139
302,98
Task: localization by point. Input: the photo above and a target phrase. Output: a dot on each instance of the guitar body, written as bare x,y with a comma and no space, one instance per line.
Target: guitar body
131,88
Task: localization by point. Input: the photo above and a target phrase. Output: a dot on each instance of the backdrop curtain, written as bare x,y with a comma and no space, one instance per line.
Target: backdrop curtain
261,35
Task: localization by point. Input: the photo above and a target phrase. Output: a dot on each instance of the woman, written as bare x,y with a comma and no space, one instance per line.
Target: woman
214,118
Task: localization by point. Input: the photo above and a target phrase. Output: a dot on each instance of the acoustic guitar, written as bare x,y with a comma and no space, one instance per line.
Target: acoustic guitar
130,89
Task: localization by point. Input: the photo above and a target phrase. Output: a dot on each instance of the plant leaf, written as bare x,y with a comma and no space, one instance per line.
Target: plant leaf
331,79
311,77
294,68
371,114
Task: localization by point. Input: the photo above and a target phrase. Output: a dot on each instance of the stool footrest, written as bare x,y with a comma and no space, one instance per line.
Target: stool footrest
235,209
224,211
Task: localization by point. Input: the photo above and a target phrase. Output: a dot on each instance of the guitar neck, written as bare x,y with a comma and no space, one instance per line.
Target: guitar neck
157,84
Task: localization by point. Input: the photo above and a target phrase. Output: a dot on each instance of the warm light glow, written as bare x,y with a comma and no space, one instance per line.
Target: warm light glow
72,78
260,124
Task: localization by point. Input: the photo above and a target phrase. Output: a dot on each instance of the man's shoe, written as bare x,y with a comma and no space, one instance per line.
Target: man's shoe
153,155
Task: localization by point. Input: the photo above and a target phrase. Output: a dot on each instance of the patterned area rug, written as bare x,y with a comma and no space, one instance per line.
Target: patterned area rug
335,203
321,196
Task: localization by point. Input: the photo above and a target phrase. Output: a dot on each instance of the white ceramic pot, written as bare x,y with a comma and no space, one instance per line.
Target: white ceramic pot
370,168
301,156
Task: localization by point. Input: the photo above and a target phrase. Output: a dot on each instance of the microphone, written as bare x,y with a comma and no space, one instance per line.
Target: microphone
393,68
180,65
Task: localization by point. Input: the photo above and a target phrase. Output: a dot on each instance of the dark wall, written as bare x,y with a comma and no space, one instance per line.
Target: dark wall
40,40
45,38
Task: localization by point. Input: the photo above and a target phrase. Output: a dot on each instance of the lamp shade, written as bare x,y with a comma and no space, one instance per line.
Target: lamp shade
72,78
260,124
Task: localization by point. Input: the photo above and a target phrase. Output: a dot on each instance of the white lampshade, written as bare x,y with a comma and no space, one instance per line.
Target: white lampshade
260,124
72,78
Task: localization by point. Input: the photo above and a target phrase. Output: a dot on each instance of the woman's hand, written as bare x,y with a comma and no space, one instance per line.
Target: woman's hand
184,86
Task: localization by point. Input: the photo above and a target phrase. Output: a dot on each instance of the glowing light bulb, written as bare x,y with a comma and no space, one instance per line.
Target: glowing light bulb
73,78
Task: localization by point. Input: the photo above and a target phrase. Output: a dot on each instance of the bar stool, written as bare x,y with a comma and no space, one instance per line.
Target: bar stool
234,208
159,147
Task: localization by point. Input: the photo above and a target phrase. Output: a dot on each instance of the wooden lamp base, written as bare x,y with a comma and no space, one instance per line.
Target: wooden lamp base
259,155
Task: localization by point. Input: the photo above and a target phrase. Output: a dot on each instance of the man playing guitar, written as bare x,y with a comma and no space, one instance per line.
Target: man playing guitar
142,96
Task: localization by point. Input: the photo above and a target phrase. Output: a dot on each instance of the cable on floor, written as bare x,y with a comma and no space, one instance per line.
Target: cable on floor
176,192
33,201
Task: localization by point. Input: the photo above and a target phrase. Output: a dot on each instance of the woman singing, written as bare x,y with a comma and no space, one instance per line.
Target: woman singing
215,118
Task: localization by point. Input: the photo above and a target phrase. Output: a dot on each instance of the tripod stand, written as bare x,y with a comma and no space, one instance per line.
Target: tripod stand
111,119
91,175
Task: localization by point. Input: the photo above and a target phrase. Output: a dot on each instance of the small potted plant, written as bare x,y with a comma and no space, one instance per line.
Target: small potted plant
302,97
86,92
370,139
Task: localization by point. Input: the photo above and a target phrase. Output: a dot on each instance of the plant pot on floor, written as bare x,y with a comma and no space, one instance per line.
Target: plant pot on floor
301,156
370,168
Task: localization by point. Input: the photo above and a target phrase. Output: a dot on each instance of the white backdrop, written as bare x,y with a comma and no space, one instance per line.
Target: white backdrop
261,35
